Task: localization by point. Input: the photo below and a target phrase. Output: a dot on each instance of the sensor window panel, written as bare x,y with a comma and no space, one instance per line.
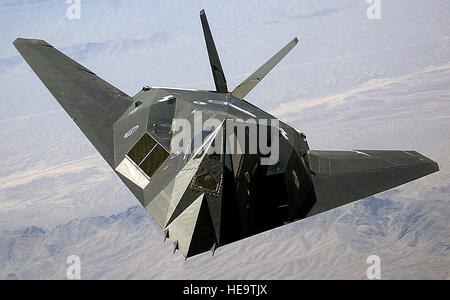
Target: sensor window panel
154,160
142,148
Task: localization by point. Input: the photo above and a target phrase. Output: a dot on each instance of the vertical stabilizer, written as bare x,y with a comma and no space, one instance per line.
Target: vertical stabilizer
216,66
249,84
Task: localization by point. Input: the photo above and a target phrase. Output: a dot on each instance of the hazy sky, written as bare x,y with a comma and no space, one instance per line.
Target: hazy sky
353,82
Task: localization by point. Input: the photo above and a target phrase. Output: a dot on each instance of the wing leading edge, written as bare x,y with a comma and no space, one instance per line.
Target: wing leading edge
91,102
341,177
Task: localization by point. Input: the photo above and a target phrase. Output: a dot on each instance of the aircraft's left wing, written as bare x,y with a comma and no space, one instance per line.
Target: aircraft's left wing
341,177
91,102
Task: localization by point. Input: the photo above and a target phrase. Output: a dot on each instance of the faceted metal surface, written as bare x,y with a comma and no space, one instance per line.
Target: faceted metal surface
201,200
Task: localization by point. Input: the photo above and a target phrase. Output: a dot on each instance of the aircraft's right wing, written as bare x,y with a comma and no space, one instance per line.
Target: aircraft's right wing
341,177
91,102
